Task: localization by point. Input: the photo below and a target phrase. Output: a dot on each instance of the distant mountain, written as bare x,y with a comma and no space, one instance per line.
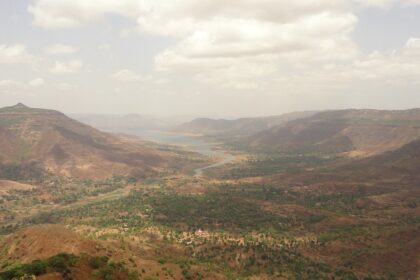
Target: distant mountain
238,127
38,141
354,132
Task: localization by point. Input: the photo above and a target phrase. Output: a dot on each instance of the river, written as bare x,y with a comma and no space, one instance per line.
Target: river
192,143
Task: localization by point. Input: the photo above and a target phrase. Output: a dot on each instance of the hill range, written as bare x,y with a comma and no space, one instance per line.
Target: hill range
309,195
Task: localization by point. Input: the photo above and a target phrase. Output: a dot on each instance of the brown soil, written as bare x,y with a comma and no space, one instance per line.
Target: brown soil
43,241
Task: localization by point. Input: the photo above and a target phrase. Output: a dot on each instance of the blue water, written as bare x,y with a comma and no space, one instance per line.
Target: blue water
192,143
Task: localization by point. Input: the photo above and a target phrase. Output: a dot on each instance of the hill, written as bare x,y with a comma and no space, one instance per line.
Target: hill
35,141
44,241
286,214
54,252
353,132
401,163
238,127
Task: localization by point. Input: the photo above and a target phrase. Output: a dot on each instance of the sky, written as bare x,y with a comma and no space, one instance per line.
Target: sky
230,58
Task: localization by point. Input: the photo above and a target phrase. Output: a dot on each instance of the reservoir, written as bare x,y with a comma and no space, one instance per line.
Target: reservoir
192,143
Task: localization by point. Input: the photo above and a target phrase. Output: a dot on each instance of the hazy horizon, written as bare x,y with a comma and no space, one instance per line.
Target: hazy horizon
216,59
189,117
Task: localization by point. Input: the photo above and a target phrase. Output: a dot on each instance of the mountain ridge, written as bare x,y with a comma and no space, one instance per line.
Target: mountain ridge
241,126
65,146
350,132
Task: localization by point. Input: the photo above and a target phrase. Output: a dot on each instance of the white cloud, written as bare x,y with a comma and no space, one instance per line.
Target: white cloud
396,68
386,4
412,47
127,75
375,3
60,49
36,82
248,44
14,54
67,67
230,49
219,41
64,14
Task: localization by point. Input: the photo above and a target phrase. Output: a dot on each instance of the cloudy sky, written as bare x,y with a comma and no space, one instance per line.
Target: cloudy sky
209,57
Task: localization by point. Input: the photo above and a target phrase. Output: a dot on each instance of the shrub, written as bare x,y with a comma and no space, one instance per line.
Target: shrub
98,262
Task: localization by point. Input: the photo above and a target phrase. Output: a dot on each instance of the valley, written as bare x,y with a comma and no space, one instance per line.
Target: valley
209,140
276,202
190,142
